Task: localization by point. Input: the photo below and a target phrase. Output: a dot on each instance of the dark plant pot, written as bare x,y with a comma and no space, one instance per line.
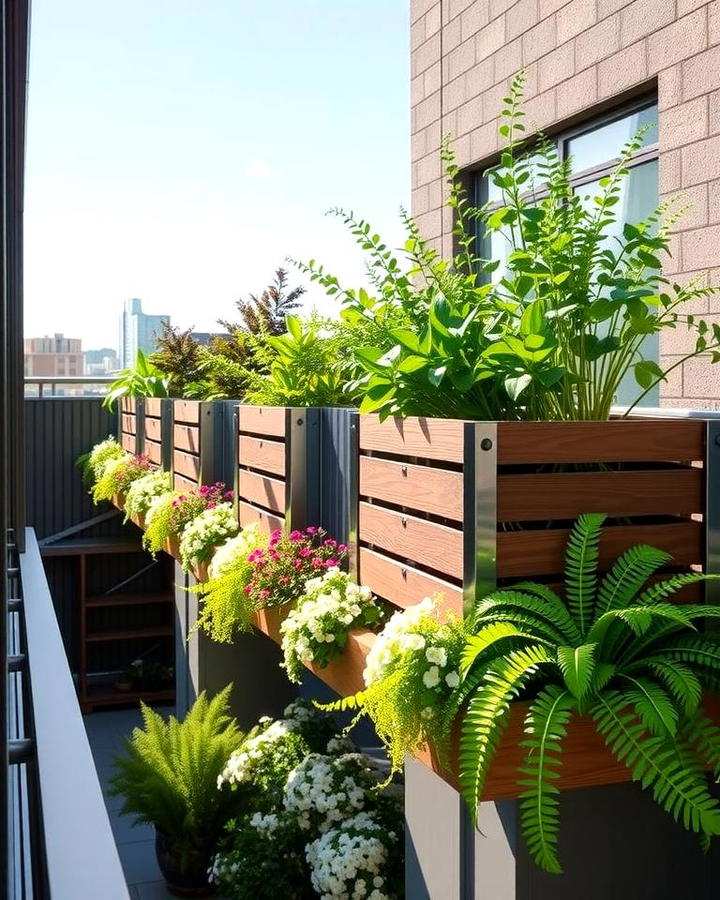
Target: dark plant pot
184,865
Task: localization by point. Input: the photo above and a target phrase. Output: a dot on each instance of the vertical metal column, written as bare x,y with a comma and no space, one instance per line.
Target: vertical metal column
166,433
302,467
479,510
139,425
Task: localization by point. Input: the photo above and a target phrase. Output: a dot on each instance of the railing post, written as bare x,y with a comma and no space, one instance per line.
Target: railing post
479,511
302,467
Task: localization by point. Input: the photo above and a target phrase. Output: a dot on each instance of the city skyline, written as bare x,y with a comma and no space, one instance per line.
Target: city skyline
191,164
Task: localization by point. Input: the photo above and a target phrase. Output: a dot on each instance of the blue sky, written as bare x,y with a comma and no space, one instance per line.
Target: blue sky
178,151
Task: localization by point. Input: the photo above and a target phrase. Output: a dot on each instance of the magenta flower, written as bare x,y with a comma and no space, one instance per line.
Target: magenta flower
329,563
312,529
342,548
296,536
255,556
305,552
330,543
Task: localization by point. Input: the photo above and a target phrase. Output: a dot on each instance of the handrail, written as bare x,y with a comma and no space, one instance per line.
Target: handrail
53,381
81,858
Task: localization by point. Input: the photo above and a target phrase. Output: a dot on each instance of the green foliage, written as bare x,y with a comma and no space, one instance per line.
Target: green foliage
168,773
180,357
144,380
118,474
616,652
265,315
92,464
556,334
226,608
157,522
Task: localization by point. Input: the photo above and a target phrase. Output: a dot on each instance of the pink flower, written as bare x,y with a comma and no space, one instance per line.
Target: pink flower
305,552
264,593
255,556
296,536
247,589
284,579
312,529
329,563
274,555
330,543
342,548
228,495
317,562
298,564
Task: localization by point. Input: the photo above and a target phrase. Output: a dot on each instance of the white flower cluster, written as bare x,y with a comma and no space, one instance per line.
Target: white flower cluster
144,490
243,763
237,548
324,790
328,609
402,633
267,824
209,528
347,862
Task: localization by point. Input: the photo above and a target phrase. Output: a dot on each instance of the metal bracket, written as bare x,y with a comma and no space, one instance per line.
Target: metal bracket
479,511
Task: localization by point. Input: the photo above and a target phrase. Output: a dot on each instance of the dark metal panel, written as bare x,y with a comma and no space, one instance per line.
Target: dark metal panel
337,462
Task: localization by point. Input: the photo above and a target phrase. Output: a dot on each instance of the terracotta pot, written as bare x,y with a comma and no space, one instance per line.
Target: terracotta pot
185,866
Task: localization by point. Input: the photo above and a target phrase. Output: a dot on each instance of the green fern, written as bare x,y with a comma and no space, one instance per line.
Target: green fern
617,650
168,773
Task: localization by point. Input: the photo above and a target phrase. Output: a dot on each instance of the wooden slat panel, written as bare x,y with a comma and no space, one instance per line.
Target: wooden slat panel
263,454
522,498
403,585
153,406
435,546
268,420
153,451
248,514
440,439
129,423
181,483
128,405
436,491
262,490
186,411
186,464
187,437
153,429
536,552
127,442
630,440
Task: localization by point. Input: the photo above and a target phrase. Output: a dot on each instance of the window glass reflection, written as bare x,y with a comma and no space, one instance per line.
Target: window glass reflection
601,144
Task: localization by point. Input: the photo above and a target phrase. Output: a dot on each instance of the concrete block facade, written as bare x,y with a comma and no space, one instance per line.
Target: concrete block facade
582,57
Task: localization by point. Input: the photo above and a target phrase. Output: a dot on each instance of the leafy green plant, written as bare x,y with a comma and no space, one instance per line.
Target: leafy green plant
615,650
118,474
551,339
144,380
169,771
266,314
92,464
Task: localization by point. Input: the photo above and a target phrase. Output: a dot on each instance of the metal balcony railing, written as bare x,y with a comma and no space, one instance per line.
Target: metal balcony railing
70,385
61,843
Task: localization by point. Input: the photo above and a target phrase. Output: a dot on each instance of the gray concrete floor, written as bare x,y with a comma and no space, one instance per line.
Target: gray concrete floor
136,845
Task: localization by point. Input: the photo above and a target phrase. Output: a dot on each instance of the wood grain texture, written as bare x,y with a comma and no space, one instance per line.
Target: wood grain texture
127,442
187,411
628,440
153,429
402,584
186,464
128,405
262,420
181,483
435,546
153,451
440,439
263,454
249,514
524,498
129,423
525,554
262,490
153,406
187,437
421,488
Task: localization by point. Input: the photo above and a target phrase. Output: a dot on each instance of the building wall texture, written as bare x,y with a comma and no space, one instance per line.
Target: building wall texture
580,57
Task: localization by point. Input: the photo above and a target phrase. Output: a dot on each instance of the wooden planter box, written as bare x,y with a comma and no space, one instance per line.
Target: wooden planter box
130,419
185,455
262,465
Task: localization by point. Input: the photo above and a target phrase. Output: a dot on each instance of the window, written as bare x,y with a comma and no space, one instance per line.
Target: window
593,149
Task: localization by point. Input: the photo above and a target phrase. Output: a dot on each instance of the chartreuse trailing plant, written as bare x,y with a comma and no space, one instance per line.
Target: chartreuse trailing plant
549,337
118,474
144,490
91,464
615,650
169,514
168,773
317,628
410,674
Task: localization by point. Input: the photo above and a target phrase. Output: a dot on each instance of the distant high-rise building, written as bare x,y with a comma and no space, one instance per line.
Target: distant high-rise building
137,332
101,362
55,356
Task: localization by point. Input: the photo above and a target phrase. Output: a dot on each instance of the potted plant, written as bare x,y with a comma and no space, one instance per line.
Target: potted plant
168,778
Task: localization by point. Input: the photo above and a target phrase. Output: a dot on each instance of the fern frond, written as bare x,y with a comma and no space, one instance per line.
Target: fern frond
653,705
546,723
486,717
654,762
354,701
680,680
581,559
704,735
628,574
488,637
701,651
561,617
661,590
577,665
552,620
